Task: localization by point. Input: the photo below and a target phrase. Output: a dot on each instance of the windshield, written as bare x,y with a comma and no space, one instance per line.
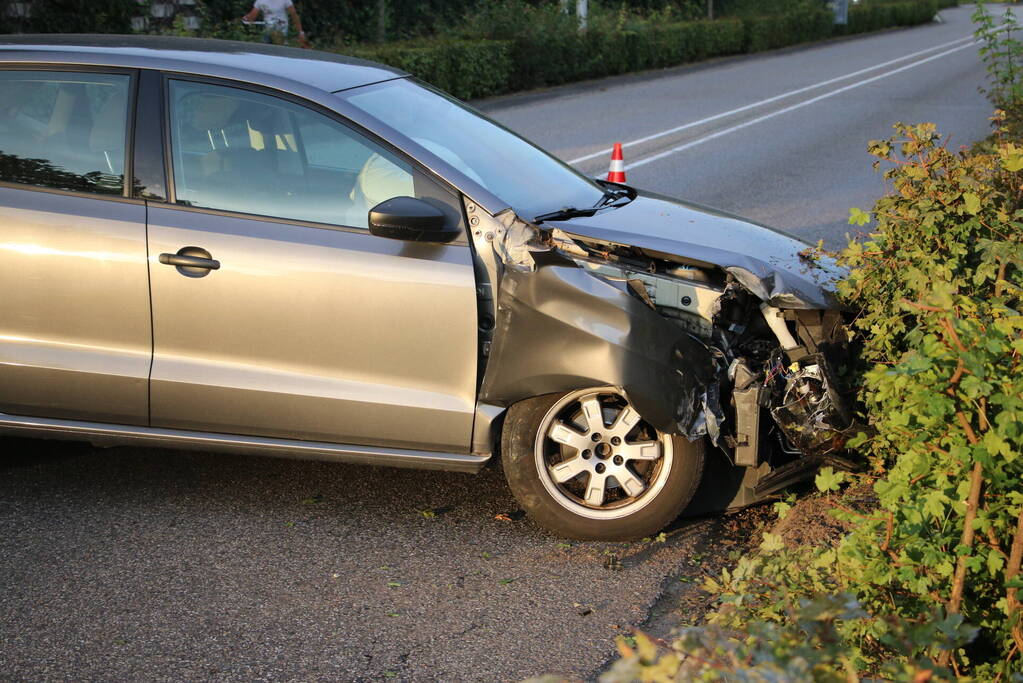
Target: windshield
532,181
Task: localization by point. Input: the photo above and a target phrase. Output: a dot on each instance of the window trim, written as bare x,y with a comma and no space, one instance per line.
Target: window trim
147,143
417,168
129,170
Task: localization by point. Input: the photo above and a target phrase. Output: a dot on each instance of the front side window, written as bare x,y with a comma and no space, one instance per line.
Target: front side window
236,150
66,131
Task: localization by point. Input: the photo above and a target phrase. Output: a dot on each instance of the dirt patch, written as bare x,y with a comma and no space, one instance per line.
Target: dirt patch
810,522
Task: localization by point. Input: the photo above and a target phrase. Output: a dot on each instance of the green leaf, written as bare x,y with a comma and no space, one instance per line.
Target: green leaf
858,217
972,202
772,543
828,479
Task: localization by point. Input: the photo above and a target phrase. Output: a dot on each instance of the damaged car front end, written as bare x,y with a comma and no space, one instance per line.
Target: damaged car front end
712,327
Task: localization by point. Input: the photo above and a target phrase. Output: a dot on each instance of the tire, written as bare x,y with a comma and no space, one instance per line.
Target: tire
585,465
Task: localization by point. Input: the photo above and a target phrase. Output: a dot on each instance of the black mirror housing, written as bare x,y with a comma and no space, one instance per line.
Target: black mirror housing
410,219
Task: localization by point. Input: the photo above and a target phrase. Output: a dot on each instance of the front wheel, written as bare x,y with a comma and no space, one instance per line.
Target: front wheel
586,465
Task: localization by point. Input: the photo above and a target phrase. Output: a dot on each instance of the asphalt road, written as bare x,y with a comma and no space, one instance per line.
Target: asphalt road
129,564
794,161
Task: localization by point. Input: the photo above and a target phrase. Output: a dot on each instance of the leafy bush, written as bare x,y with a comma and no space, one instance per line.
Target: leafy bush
464,68
925,584
940,285
1002,53
806,646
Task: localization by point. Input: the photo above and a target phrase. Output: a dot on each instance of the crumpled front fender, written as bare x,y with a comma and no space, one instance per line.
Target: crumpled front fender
560,328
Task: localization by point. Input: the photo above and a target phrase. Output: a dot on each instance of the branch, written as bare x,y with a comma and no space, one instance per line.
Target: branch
1000,279
924,307
947,324
976,480
959,579
958,375
1012,569
888,524
968,428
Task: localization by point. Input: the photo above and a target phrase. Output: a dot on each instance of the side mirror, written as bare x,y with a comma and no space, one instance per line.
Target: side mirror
410,219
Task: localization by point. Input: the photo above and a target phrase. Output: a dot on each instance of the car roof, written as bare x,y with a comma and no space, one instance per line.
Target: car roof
254,62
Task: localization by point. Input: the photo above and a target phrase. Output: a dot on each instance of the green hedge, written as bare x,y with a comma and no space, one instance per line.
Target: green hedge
554,54
465,68
478,68
803,25
672,44
595,54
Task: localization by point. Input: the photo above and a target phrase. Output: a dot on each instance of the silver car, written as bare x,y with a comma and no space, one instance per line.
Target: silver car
235,247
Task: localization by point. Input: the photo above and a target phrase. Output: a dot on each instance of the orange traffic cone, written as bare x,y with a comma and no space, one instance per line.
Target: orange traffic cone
616,174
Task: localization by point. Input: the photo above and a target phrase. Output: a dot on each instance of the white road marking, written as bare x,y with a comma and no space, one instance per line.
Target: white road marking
786,110
769,100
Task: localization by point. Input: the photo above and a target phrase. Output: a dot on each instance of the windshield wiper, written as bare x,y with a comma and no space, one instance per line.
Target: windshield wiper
610,196
565,213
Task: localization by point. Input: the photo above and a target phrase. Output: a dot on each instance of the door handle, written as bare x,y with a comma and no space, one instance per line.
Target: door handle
191,261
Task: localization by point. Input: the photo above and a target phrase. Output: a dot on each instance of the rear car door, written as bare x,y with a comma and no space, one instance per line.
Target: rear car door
309,327
75,334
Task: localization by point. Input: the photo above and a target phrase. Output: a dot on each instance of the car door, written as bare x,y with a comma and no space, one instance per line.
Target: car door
75,335
309,327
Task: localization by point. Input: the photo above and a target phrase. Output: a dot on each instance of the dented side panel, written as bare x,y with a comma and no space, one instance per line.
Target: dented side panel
560,328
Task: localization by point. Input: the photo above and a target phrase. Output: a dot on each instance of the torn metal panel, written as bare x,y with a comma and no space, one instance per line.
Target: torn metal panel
769,263
560,328
516,242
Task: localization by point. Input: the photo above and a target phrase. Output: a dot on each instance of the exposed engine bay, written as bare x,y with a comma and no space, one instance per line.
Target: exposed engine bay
759,362
756,379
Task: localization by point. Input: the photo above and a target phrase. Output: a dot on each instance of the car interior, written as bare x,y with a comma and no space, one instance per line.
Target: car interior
70,131
249,154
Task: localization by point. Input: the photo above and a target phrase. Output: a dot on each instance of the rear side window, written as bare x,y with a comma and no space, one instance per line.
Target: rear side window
236,150
66,131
